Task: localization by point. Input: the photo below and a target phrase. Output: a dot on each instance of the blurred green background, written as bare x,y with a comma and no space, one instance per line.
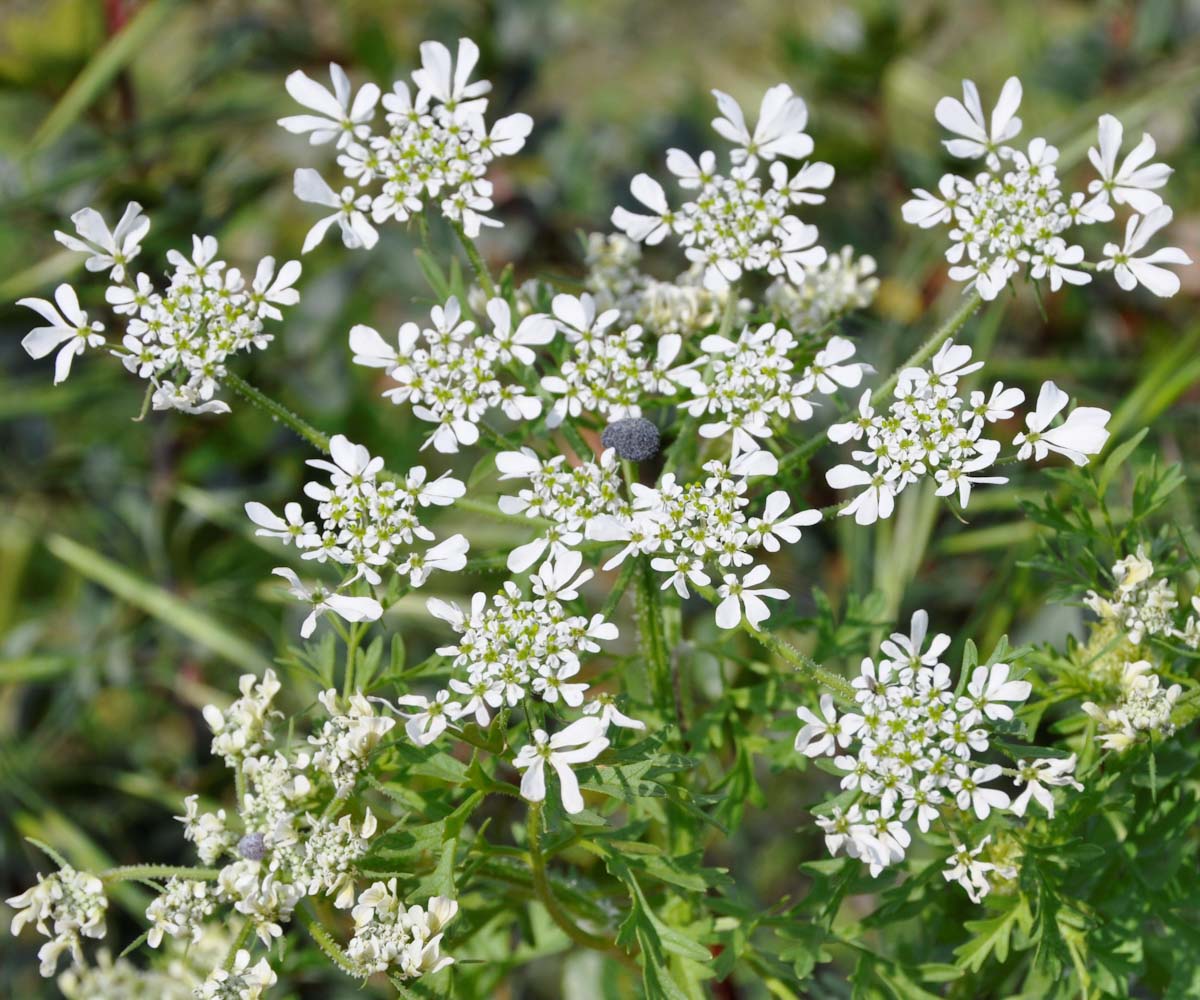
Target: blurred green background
129,586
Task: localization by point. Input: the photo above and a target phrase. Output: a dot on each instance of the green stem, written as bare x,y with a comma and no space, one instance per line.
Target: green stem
351,653
545,894
653,632
785,650
278,411
477,262
126,873
324,940
238,943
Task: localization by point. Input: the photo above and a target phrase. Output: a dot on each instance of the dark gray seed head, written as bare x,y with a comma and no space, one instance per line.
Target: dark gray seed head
634,438
251,847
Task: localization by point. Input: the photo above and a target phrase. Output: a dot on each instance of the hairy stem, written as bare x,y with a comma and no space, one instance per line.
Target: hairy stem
127,873
324,940
478,264
278,411
545,893
785,650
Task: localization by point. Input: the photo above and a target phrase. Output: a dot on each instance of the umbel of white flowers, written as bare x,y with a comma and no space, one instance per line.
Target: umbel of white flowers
914,750
179,339
929,429
436,146
734,222
1012,215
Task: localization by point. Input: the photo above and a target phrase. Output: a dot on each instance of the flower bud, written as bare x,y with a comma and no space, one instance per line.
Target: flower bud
635,438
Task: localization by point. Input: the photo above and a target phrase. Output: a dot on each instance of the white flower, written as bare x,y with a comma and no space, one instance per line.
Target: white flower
821,736
1134,182
338,116
1080,436
180,911
63,907
581,741
350,211
965,868
988,690
875,501
967,788
439,78
353,609
744,598
965,118
430,719
243,981
648,229
773,528
910,649
779,131
1131,271
449,555
270,290
605,706
1036,775
107,250
68,326
290,528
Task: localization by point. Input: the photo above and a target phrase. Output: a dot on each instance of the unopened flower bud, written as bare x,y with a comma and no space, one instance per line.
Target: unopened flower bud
252,847
635,438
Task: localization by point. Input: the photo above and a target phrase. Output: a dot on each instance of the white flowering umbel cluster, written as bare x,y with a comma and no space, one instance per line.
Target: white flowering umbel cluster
930,428
914,751
683,306
737,223
179,339
513,649
366,523
452,374
842,284
1013,214
682,528
750,383
1137,705
435,147
64,907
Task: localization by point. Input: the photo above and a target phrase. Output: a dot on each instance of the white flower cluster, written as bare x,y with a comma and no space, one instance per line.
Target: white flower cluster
929,427
918,747
734,224
973,873
365,523
609,371
279,849
178,970
180,911
437,146
451,374
748,382
1141,605
683,527
1013,214
683,306
180,339
842,284
512,649
403,940
1143,707
242,981
64,907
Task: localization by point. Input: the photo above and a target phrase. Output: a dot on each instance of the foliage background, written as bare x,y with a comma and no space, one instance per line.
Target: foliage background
128,587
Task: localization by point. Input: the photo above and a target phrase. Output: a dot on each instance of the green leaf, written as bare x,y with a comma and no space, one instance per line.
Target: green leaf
1117,458
992,936
173,611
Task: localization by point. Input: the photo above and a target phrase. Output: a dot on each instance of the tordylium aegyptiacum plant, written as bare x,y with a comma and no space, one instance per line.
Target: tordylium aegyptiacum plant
638,427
